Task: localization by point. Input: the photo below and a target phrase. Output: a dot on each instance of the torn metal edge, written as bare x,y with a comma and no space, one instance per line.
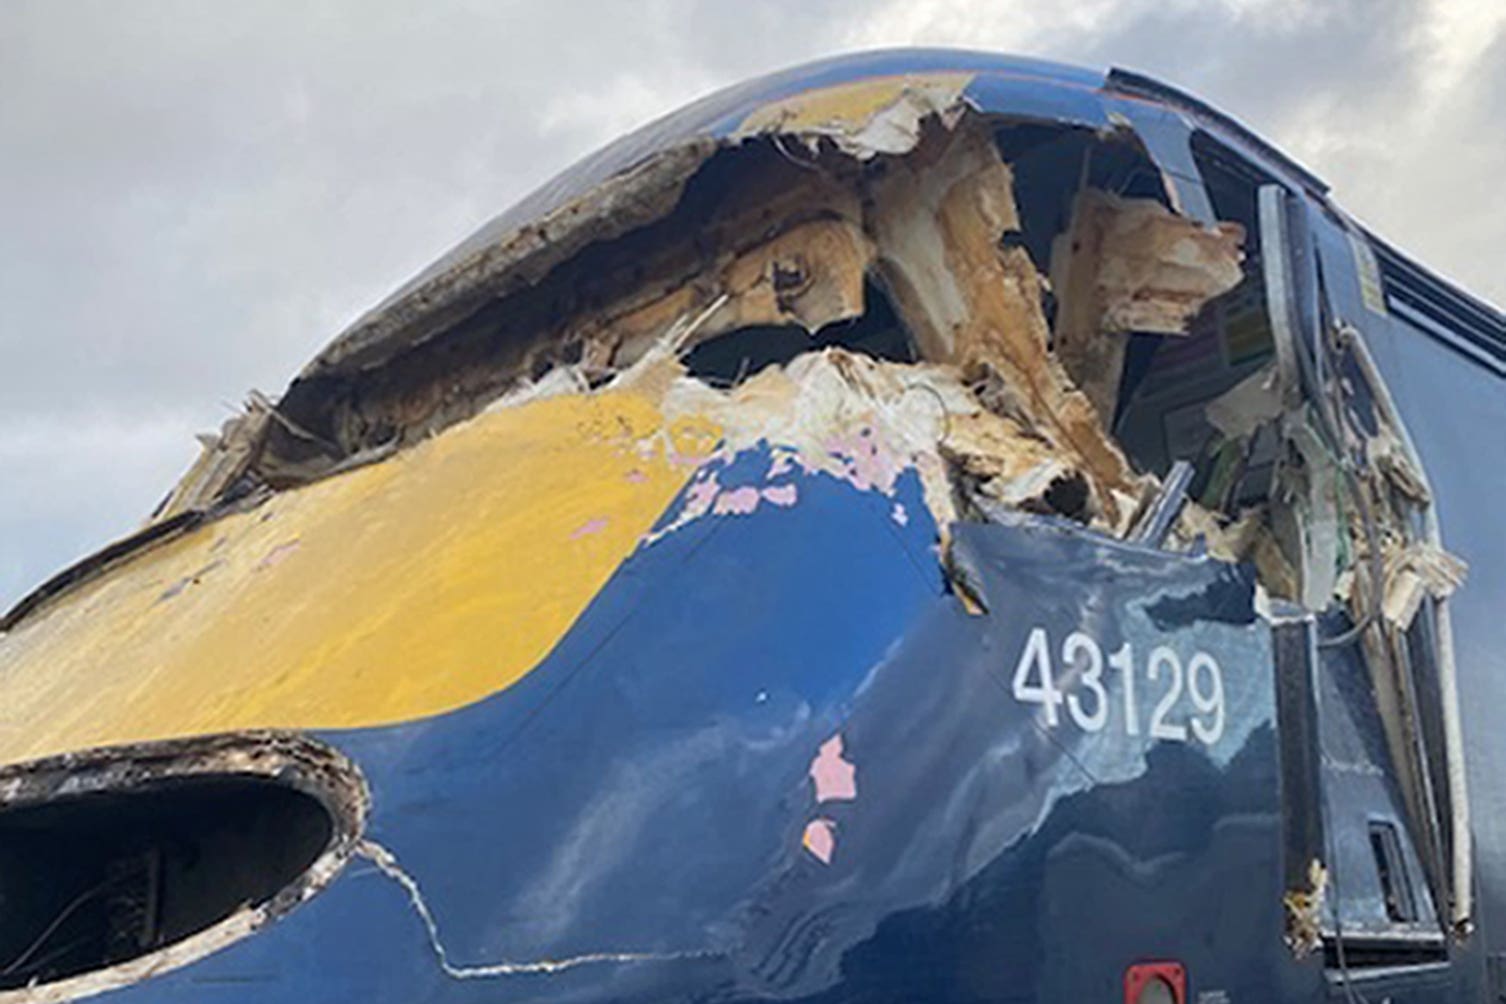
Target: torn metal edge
626,201
1138,85
1461,866
96,563
293,760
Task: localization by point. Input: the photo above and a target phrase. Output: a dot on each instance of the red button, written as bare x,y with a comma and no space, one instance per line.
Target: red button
1155,983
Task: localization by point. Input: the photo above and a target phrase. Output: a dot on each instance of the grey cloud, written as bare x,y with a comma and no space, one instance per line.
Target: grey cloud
1426,174
1354,90
1358,90
100,471
1266,66
218,188
197,196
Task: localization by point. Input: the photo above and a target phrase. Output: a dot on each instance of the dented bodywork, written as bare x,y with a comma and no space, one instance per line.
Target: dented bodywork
896,354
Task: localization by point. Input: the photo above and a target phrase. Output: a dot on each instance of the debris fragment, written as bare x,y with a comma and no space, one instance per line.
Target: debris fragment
1154,269
1155,522
222,460
1244,408
1414,573
1009,464
812,274
867,117
1246,538
1304,912
1387,455
971,299
560,380
1131,265
1309,527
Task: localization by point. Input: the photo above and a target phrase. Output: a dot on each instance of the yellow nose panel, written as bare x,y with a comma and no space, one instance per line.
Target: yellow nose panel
391,592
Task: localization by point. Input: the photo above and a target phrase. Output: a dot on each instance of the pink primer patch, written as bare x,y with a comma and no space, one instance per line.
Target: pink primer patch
700,495
636,476
694,458
278,554
869,464
781,495
721,455
899,515
820,838
836,778
589,527
738,501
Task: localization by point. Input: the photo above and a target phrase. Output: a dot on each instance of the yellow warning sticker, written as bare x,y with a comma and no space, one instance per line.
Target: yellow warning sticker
1368,269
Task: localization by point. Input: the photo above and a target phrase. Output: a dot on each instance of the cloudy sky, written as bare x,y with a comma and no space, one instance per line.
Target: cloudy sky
195,196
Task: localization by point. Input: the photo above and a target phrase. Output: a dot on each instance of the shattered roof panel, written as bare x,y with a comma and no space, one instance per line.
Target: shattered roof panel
987,82
998,83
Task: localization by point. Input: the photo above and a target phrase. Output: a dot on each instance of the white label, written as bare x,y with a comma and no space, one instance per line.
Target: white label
1036,661
1083,654
1186,697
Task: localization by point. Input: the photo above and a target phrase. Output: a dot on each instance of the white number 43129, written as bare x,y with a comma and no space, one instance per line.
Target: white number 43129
1035,682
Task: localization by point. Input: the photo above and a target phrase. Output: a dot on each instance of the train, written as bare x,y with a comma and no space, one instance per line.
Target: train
923,525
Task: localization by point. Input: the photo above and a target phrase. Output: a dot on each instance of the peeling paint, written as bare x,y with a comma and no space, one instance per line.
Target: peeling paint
834,776
177,588
782,495
736,501
865,118
277,555
589,527
820,839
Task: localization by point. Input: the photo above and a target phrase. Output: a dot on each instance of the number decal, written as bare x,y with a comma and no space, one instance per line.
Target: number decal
1160,728
1078,644
1090,706
1037,654
1207,703
1123,660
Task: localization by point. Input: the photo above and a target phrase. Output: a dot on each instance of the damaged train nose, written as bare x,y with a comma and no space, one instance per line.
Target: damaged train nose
867,535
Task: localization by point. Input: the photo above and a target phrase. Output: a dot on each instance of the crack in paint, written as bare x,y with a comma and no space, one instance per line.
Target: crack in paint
386,862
